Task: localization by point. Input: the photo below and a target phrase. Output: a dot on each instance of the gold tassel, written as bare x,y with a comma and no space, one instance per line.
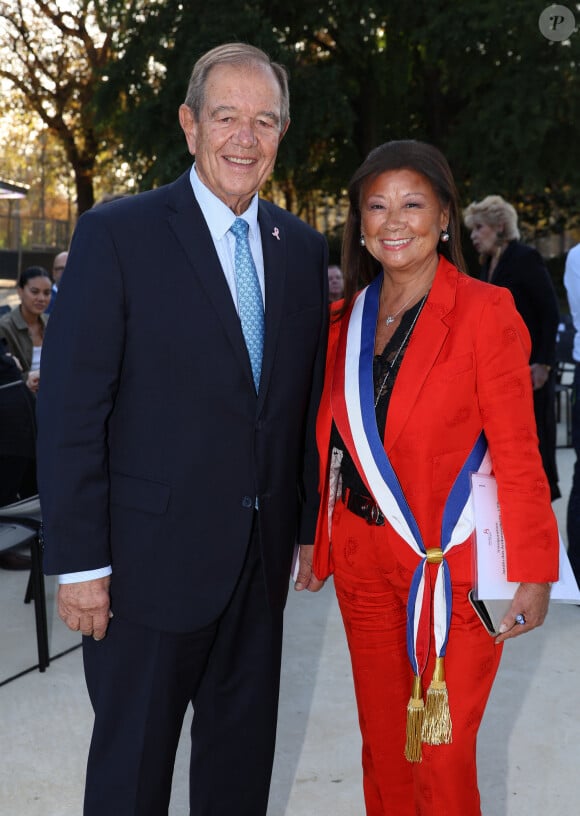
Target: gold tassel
415,715
437,721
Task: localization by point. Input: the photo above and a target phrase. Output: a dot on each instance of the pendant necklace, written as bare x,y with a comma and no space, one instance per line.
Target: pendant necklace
391,318
400,349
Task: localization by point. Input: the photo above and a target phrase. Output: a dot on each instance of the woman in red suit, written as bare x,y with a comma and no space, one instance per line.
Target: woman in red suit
427,380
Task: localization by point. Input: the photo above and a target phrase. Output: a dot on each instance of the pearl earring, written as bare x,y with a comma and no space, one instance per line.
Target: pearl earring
444,236
362,240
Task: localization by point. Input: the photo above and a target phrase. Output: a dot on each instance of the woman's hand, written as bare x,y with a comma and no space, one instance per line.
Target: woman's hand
528,610
16,360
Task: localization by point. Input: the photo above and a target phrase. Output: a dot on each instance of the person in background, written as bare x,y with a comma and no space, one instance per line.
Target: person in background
58,266
505,261
335,283
572,284
177,458
427,379
23,327
17,443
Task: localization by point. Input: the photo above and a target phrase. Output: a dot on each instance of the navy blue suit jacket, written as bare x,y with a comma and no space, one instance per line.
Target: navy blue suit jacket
152,441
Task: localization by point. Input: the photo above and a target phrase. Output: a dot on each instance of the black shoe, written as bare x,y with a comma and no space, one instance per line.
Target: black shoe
15,561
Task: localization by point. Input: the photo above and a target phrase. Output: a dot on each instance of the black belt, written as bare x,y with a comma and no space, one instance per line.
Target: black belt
363,506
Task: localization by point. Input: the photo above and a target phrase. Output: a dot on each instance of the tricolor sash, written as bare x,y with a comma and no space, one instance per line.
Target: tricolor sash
353,408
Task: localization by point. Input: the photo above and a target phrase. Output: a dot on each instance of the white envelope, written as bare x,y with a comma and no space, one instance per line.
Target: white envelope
490,553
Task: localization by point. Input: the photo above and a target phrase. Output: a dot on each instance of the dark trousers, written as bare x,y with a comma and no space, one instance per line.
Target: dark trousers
545,412
140,683
17,478
573,515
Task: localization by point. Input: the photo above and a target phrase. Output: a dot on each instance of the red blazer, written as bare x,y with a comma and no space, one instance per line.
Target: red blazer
465,369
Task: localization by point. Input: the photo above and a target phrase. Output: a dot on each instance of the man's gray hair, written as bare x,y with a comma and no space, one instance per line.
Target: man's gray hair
234,54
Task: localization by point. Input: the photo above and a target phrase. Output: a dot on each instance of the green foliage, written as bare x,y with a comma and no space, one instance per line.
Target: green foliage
477,79
500,99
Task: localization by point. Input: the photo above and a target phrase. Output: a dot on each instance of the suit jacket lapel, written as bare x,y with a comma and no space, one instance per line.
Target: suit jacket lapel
421,354
274,250
187,222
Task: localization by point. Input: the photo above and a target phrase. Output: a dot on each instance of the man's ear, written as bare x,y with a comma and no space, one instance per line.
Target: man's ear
189,127
283,131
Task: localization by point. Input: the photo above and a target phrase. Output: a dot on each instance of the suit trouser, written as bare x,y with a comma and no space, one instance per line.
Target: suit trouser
140,683
372,584
573,510
545,413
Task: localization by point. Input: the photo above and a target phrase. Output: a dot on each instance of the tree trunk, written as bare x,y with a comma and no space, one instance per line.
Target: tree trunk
84,189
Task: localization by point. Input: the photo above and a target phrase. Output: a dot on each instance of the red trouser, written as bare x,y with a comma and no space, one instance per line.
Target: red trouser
372,584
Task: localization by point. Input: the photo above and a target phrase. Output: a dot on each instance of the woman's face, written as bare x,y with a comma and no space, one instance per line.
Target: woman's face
35,295
484,238
401,220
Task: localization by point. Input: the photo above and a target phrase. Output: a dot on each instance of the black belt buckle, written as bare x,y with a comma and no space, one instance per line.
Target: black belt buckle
376,516
366,508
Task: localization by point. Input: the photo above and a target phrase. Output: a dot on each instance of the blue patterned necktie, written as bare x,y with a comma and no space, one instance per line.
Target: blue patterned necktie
250,304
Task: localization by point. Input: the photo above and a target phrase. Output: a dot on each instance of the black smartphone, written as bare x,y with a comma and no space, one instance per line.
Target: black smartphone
490,613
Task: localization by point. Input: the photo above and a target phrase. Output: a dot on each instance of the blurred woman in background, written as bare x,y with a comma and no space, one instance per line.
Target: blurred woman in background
23,327
505,261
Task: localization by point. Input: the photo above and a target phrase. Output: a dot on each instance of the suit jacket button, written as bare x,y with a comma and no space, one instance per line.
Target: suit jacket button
247,501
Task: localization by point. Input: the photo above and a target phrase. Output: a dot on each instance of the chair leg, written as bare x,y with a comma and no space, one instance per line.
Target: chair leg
39,595
29,594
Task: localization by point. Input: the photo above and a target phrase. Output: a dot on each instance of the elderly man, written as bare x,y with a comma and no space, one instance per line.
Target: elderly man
176,454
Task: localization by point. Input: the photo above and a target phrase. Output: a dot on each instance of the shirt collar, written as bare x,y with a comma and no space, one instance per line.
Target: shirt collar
20,322
218,216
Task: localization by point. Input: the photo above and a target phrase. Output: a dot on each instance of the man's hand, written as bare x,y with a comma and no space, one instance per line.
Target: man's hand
528,610
85,606
306,578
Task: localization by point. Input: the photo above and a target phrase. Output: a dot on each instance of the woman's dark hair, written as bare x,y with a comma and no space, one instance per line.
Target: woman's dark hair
358,265
32,272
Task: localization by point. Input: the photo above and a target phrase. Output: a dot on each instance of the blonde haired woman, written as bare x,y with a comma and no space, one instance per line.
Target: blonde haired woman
505,261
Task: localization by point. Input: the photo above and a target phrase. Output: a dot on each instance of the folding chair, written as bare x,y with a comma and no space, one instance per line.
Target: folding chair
20,523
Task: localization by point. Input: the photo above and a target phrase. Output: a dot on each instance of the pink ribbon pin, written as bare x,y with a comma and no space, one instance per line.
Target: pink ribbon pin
276,233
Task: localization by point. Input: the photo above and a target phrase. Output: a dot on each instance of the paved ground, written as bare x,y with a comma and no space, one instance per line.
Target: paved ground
529,748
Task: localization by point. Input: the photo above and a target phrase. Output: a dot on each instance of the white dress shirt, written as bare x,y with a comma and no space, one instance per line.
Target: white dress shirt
219,219
572,284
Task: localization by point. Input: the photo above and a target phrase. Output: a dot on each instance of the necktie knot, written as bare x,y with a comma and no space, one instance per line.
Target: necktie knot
240,228
250,305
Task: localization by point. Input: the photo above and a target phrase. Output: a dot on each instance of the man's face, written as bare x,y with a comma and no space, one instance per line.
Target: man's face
58,266
236,140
